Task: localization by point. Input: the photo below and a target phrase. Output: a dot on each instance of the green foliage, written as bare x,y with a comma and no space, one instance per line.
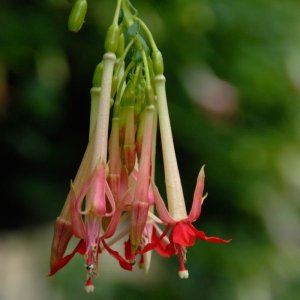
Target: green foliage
242,55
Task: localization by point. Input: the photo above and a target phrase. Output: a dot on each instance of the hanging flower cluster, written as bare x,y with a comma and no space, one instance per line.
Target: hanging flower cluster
114,195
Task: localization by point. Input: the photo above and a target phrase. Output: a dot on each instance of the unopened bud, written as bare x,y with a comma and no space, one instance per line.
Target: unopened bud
97,78
112,38
77,15
121,45
158,62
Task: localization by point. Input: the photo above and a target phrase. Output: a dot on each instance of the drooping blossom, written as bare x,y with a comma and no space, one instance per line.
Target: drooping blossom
114,196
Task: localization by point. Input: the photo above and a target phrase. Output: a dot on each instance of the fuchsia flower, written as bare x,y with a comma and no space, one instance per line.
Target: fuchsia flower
115,198
97,194
183,234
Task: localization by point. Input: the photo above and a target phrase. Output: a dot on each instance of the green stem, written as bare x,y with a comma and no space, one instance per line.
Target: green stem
147,73
117,12
148,33
127,13
128,69
120,65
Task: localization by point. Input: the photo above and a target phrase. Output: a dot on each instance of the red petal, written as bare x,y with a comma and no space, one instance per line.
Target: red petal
183,234
161,247
123,263
80,248
128,250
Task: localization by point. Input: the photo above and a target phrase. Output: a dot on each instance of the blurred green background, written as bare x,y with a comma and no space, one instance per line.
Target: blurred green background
233,83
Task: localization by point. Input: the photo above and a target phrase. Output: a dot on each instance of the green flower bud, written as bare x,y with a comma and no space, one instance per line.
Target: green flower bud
97,78
129,94
121,46
158,62
112,38
150,97
77,15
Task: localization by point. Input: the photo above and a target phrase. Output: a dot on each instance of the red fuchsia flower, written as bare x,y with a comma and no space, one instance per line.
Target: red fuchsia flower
183,234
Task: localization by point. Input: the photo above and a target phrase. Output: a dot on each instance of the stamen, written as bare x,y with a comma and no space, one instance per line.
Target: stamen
154,218
183,273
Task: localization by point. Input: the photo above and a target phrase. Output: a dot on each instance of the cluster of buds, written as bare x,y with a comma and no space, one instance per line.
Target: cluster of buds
114,196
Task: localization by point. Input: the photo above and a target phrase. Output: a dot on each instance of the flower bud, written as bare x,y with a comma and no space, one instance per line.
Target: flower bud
150,97
97,78
121,45
158,62
77,15
112,38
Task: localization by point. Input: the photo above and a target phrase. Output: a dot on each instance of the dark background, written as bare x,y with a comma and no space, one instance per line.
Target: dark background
233,82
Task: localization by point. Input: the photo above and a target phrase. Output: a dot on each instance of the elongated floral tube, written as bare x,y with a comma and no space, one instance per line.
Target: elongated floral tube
114,159
101,127
176,204
129,139
95,98
143,180
141,203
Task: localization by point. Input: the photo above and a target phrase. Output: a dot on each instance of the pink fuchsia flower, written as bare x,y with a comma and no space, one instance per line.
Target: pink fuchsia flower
141,201
94,189
63,228
89,230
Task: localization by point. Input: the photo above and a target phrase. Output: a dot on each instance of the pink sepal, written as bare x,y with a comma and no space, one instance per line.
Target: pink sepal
76,218
161,207
80,248
197,200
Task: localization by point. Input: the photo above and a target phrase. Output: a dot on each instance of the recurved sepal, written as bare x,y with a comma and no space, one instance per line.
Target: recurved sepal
62,235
